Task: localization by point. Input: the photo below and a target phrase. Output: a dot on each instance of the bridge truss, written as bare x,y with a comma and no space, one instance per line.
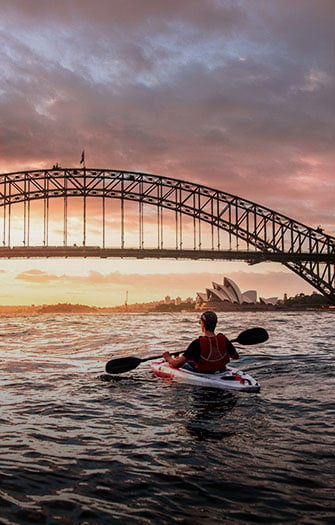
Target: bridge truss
179,219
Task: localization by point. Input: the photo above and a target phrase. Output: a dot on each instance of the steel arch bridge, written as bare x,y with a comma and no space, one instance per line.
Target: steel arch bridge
182,220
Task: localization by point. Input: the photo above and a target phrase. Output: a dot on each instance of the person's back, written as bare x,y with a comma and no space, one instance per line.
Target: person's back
208,353
213,354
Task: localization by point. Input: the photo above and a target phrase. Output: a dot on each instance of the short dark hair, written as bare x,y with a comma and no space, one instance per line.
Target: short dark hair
209,319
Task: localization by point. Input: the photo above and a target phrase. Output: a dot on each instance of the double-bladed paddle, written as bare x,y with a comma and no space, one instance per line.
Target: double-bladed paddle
118,365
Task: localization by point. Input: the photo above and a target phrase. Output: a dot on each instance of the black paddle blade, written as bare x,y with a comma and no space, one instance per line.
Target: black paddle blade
252,336
118,365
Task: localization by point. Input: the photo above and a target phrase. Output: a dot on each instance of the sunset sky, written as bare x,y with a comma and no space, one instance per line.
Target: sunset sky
234,94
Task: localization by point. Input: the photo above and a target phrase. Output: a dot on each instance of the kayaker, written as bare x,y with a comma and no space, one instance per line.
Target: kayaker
208,353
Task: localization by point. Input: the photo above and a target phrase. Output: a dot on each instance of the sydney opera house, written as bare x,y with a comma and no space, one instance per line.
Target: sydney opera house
227,295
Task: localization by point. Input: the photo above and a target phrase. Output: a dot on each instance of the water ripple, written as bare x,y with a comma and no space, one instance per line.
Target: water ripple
78,446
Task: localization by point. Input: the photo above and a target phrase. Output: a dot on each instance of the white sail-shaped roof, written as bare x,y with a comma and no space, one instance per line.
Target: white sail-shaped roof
201,297
225,293
233,290
219,294
249,297
269,300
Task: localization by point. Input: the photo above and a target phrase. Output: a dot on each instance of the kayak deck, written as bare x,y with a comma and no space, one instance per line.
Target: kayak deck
230,379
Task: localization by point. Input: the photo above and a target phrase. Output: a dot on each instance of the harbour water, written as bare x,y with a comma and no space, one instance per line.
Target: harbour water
78,447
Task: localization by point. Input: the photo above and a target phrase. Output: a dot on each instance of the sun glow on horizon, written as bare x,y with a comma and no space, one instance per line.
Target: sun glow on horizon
105,282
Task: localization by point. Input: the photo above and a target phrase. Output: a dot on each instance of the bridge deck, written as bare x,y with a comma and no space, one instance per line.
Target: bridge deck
252,257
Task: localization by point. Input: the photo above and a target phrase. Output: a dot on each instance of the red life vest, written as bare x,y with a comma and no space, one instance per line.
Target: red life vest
213,353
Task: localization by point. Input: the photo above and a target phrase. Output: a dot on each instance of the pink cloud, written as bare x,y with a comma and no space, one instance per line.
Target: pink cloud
156,286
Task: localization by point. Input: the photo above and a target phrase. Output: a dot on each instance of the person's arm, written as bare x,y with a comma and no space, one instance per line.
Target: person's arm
176,362
192,353
231,350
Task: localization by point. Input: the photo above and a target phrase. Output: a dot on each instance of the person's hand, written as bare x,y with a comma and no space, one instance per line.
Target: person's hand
166,355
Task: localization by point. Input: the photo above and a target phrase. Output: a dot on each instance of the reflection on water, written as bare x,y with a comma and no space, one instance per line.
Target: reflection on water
78,446
207,414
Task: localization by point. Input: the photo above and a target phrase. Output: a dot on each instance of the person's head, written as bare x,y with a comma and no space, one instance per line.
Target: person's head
209,318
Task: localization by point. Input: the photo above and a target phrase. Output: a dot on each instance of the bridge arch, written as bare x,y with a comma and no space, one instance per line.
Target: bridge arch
260,234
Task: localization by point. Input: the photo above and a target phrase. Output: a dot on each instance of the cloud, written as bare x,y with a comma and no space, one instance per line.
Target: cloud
36,276
146,287
147,14
237,96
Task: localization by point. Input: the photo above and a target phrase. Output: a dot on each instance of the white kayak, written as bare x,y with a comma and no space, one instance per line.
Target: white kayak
230,379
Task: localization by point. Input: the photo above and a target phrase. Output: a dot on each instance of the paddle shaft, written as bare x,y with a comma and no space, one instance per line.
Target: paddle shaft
180,351
118,365
176,353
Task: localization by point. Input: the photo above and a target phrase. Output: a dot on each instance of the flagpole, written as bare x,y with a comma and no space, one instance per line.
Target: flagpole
82,160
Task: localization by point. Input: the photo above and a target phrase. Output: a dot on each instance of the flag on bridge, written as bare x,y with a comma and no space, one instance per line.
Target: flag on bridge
82,161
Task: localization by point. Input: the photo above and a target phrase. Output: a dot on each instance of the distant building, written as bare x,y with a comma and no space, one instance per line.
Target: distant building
229,293
270,300
189,300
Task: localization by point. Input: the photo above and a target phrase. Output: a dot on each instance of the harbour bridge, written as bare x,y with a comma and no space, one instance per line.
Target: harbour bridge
84,212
